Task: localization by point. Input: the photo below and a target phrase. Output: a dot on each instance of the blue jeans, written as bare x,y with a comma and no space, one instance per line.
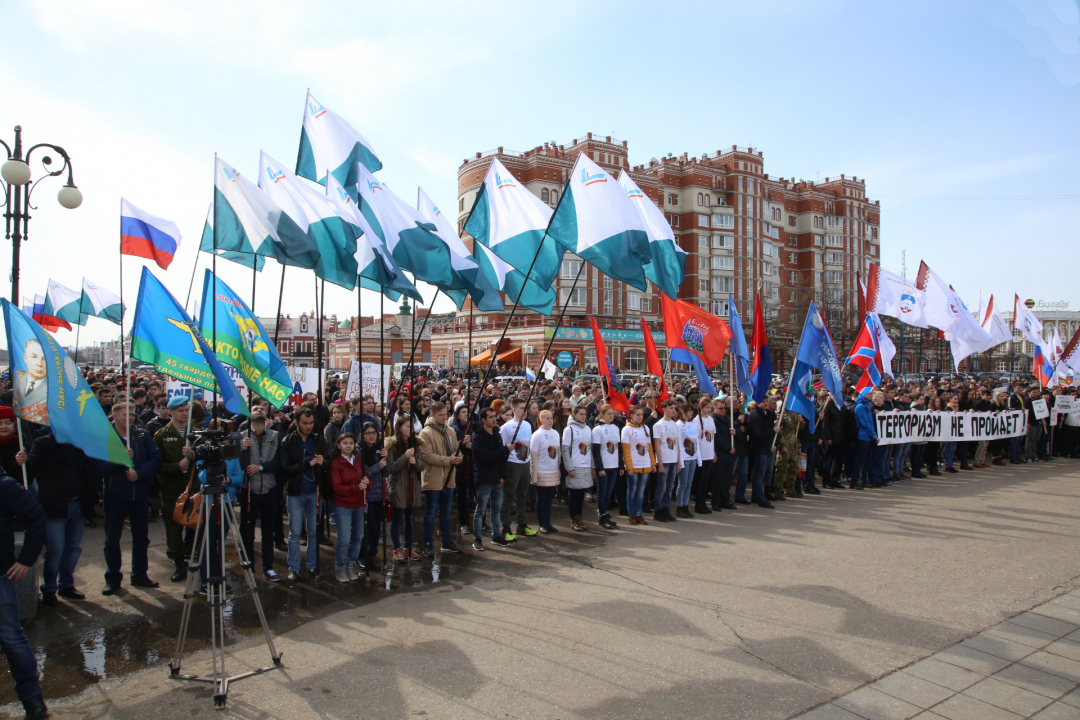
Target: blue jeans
742,469
63,546
763,468
137,513
949,452
350,533
438,501
16,647
665,483
635,492
877,465
900,456
686,480
1016,445
493,495
605,484
301,513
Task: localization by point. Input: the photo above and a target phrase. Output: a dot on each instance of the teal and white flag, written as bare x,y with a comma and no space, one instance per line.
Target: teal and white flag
247,220
511,221
496,276
206,245
328,144
597,222
99,302
64,303
411,240
668,266
462,261
334,238
376,266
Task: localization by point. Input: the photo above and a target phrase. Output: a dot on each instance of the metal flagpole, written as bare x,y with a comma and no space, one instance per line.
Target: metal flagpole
468,363
277,320
382,362
417,338
191,283
123,360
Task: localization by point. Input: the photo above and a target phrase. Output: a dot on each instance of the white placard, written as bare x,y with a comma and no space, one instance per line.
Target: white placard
304,380
1064,404
903,426
1039,406
364,380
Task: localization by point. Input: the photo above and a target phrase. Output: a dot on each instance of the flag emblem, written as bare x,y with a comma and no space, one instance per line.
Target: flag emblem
634,193
500,183
907,302
274,175
693,337
372,186
315,109
588,179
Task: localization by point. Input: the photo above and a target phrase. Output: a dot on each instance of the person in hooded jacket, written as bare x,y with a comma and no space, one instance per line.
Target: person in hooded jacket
865,472
406,464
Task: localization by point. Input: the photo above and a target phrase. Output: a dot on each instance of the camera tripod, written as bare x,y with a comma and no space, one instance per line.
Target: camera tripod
216,505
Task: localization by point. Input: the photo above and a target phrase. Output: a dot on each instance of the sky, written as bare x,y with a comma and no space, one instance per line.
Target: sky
961,115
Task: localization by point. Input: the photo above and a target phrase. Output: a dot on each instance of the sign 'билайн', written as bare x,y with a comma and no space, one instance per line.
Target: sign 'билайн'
899,426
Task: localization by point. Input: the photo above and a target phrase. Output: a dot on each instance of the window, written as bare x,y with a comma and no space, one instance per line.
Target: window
723,284
646,304
834,258
718,307
303,324
775,295
723,221
834,241
770,231
703,262
703,284
703,220
723,262
793,296
723,242
576,300
792,277
554,197
703,241
673,220
700,199
834,295
633,301
461,205
708,200
672,199
791,221
793,258
873,233
818,221
570,269
817,258
777,213
609,302
834,276
873,249
817,240
544,195
608,283
817,277
1002,366
834,221
634,361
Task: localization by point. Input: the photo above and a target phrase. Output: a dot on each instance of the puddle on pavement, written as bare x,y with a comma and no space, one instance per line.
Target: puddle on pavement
73,654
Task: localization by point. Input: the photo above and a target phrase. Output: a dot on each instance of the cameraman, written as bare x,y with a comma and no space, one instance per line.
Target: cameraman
303,469
259,495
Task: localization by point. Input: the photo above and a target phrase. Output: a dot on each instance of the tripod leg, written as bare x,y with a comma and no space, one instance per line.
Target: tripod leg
198,553
249,580
223,504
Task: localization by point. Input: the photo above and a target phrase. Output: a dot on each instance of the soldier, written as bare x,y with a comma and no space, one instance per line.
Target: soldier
174,449
787,457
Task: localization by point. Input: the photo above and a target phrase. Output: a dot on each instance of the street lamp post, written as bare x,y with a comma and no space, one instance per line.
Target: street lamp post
17,188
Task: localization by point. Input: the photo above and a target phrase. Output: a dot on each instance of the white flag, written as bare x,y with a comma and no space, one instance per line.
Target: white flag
895,296
946,311
1025,320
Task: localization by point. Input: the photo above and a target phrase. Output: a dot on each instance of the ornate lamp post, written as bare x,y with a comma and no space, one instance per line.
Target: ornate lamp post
17,188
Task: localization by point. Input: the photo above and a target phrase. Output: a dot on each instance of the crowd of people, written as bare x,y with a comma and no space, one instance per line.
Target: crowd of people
335,470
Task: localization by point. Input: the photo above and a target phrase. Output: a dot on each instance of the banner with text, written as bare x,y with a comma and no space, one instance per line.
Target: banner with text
897,426
364,380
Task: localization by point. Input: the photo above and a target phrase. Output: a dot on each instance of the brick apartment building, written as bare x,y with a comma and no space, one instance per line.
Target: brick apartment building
742,229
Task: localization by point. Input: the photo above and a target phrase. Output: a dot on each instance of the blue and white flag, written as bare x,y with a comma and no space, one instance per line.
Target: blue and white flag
247,220
816,349
461,260
334,238
64,303
597,222
496,276
206,244
376,266
739,349
328,144
668,267
99,302
511,221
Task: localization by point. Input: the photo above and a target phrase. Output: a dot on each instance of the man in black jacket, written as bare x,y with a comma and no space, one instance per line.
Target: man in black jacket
16,502
304,471
62,472
763,428
489,456
724,465
830,431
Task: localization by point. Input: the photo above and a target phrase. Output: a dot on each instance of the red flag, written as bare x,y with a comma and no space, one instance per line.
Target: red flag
652,358
688,327
615,397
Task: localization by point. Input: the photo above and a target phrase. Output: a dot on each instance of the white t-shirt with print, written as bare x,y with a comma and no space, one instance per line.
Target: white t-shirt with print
607,438
670,436
707,431
547,447
639,440
520,453
691,443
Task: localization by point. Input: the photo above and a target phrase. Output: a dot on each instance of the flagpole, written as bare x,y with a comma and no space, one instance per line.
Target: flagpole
277,320
382,361
468,363
123,360
787,387
77,332
416,338
213,294
191,284
554,334
359,346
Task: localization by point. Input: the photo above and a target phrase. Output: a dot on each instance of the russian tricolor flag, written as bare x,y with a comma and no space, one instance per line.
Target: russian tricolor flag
147,236
1042,367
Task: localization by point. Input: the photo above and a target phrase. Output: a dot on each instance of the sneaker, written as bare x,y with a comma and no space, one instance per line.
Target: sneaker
766,504
292,576
463,530
271,576
449,546
500,540
333,520
342,576
351,572
589,497
510,537
429,551
413,555
526,531
399,555
478,545
551,529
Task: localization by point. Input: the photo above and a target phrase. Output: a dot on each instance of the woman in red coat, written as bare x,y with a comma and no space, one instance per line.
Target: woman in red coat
350,503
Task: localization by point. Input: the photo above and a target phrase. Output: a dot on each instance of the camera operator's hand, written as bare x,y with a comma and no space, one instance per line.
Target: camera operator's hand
318,460
246,443
132,476
184,465
251,469
186,451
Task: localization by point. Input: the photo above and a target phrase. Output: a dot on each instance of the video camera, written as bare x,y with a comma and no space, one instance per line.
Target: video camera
212,448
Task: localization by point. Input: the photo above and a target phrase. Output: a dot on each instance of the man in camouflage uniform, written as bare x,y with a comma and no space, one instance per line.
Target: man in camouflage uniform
787,457
173,476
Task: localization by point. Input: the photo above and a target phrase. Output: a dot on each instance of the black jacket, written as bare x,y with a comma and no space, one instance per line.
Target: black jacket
762,423
489,455
62,472
742,438
17,502
291,464
849,426
831,425
722,438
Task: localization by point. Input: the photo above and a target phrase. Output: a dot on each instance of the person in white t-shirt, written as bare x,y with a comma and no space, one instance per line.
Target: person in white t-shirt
639,461
546,451
691,454
578,461
667,438
516,436
706,428
607,459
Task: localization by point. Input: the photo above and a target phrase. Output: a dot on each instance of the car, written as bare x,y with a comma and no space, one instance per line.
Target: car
628,379
586,378
511,378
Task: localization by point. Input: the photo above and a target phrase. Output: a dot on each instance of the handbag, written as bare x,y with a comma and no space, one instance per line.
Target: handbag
188,505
